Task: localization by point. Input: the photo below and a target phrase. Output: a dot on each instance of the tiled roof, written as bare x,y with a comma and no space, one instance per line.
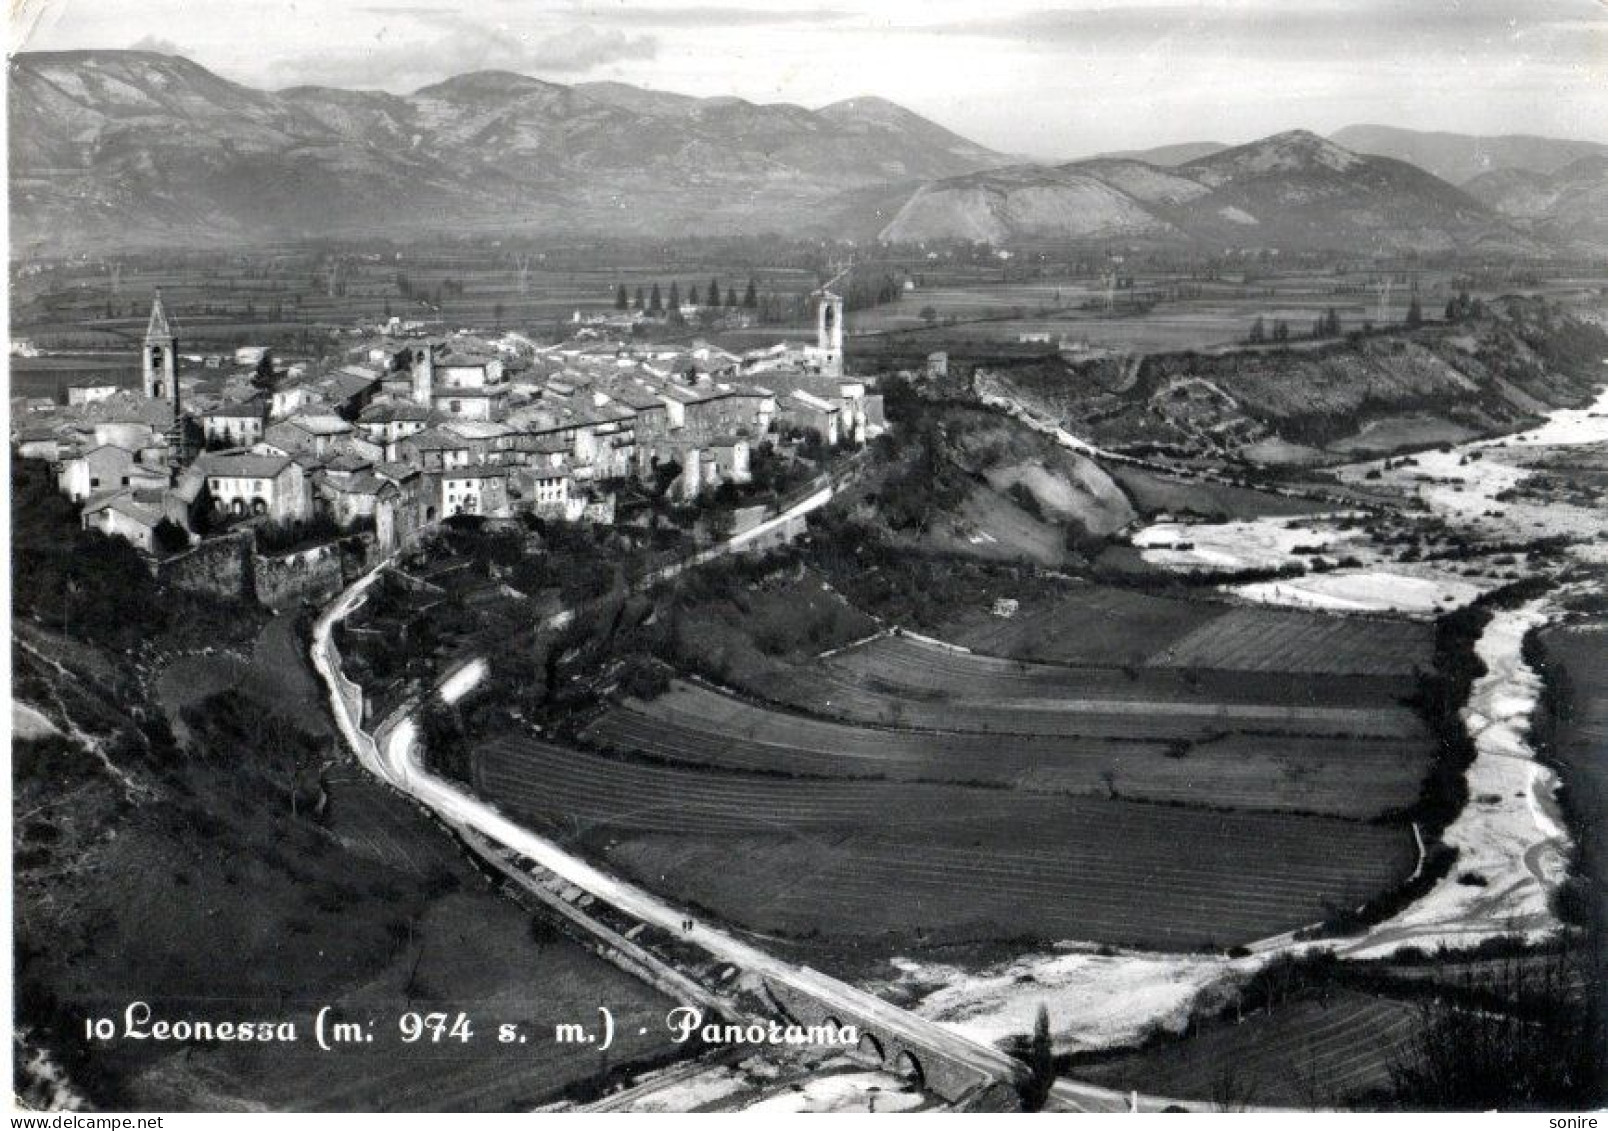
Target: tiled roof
321,424
396,471
810,401
436,440
394,411
243,464
126,504
251,409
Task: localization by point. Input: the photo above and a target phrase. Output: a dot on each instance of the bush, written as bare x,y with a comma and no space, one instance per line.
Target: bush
282,537
170,537
1550,1054
79,581
642,678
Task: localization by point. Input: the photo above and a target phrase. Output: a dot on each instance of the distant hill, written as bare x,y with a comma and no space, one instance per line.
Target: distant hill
1459,158
1022,201
1292,190
1568,206
112,148
1165,155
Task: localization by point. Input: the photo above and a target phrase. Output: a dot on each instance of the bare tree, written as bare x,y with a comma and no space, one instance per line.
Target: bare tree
1231,1088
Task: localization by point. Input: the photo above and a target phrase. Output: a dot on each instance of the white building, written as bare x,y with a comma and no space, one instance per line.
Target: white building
474,490
124,516
246,483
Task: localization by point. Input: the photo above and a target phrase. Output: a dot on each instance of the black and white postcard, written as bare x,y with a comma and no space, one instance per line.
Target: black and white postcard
770,556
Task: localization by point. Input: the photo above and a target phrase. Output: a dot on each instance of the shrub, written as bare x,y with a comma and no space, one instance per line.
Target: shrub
170,537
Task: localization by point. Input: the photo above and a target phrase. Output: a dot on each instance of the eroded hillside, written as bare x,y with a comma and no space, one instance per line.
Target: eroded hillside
1319,400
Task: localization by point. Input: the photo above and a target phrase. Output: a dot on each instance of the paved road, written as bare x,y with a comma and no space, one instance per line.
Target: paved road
392,755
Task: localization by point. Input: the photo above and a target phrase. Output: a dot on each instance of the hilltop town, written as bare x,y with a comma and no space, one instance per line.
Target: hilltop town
401,428
566,584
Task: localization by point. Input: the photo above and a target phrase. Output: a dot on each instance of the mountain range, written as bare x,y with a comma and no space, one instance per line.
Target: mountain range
1291,190
1459,158
1566,207
136,147
118,149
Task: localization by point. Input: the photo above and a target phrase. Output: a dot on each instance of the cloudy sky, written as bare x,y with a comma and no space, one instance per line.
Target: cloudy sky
1052,80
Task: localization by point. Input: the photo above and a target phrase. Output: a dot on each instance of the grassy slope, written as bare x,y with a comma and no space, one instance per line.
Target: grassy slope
199,888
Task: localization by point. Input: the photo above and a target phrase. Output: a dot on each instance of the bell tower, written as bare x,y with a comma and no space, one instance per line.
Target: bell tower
159,368
424,374
829,332
159,364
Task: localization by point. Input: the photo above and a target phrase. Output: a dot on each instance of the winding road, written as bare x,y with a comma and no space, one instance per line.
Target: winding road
391,754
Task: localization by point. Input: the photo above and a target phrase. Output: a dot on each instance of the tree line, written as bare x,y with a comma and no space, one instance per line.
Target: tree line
1327,324
654,302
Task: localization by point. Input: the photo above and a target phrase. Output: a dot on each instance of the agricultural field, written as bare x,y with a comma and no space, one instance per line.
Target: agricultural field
1318,1052
1088,624
804,805
1153,493
931,669
1287,641
51,376
967,300
1156,315
1180,762
295,296
916,863
1398,433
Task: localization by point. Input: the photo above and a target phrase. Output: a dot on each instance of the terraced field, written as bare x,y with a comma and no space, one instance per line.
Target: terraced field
1317,703
1277,640
1130,753
917,863
1307,1054
1095,624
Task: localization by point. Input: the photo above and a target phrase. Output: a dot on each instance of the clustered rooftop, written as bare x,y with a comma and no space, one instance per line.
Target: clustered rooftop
403,430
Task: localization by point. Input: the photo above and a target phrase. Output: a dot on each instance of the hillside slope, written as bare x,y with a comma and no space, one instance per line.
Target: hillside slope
129,147
1483,377
1022,201
1460,157
1570,205
188,834
1303,191
1291,190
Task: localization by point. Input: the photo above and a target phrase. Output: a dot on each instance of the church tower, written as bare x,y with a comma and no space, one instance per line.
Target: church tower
829,332
424,374
159,367
160,362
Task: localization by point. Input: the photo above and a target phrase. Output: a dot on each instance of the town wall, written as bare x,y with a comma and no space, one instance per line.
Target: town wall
315,574
219,566
228,567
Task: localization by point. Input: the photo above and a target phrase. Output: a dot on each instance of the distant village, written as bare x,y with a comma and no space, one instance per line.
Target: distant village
400,428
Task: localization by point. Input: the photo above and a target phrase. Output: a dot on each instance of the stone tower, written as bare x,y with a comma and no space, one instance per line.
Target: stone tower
159,364
829,332
159,370
423,369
